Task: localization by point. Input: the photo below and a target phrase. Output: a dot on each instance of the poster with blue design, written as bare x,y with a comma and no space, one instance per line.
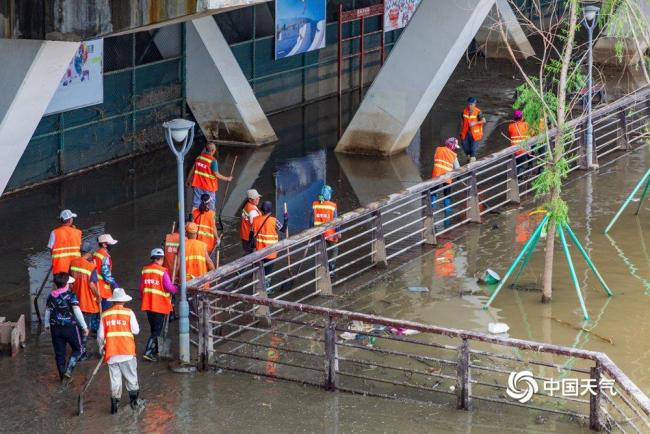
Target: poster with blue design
299,26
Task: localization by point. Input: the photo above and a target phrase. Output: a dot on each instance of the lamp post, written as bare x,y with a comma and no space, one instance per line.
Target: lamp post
590,12
179,134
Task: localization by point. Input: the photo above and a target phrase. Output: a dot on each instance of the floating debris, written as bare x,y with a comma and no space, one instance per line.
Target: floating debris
418,289
498,328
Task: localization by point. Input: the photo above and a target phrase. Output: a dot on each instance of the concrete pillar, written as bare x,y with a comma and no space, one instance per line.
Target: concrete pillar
415,73
218,93
489,40
620,29
30,74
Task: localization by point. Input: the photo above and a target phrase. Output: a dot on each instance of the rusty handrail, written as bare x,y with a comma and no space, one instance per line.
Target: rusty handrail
234,266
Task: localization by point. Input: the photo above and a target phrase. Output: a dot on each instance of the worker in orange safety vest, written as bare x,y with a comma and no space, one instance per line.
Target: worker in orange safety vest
64,242
324,210
518,133
104,265
197,257
171,244
117,329
205,218
248,214
471,129
84,272
266,230
156,290
204,176
445,160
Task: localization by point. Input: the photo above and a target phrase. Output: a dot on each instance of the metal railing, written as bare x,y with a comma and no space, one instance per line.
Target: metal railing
385,233
373,355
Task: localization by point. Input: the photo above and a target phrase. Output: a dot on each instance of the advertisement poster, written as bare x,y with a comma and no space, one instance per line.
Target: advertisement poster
398,13
299,26
82,84
298,182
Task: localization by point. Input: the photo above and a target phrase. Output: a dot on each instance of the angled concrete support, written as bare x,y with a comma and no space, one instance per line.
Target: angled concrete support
218,93
413,76
489,40
30,74
628,22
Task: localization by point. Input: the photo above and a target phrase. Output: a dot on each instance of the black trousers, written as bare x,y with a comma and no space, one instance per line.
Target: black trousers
156,323
62,336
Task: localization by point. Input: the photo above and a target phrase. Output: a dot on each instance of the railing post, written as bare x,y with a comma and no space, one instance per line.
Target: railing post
514,195
429,222
379,245
596,416
260,291
208,343
324,282
623,138
331,354
463,384
201,334
473,201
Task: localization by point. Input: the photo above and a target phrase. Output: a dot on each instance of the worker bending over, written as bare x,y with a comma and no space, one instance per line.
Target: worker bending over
518,133
104,267
64,242
204,218
156,290
84,273
265,231
445,160
324,211
171,244
248,214
471,129
116,334
204,176
64,320
197,257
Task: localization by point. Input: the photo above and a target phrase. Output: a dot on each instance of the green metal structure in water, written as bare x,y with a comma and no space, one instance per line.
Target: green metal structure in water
646,179
526,252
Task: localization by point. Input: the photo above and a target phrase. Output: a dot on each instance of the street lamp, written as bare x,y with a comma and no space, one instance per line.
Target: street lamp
179,134
590,11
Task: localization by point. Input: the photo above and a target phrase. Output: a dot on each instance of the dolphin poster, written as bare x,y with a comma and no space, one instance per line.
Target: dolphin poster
299,26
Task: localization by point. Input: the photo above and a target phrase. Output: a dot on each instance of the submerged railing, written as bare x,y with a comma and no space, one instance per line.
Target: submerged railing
384,233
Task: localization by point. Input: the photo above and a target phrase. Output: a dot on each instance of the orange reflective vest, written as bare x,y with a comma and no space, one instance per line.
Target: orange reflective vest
324,212
172,243
154,296
443,162
67,242
444,261
266,233
245,225
207,232
104,287
476,130
518,132
204,178
195,262
81,269
118,339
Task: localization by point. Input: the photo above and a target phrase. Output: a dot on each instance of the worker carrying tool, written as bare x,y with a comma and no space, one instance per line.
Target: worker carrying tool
265,234
156,290
471,129
84,273
204,176
204,217
64,242
197,257
116,335
324,211
518,133
171,244
64,320
248,214
104,267
445,160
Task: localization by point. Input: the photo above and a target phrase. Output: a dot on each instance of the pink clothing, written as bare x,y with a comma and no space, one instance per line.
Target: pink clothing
59,291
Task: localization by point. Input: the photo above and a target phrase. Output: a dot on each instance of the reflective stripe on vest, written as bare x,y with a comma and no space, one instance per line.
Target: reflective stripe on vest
266,233
154,296
104,287
204,178
245,224
67,243
81,269
119,340
477,130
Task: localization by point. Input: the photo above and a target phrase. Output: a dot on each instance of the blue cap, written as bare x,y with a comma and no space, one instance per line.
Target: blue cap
326,192
266,207
471,100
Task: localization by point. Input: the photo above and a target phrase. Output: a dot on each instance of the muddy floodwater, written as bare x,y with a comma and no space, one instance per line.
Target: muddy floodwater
135,202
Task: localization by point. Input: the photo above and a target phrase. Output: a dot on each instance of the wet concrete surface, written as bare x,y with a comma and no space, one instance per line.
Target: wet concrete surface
135,201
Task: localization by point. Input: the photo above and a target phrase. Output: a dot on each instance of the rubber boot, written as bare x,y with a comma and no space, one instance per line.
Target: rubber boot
149,350
71,364
114,405
446,203
133,399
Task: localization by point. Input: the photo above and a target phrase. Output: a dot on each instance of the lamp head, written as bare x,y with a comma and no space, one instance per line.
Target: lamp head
590,12
179,128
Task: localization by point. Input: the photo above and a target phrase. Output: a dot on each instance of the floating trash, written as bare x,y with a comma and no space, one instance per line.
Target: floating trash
418,289
498,328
